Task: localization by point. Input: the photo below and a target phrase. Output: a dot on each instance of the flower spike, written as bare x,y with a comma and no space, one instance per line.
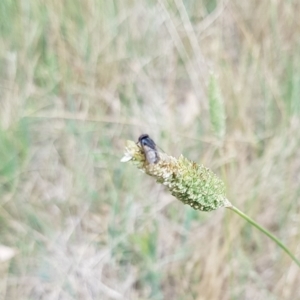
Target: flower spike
191,183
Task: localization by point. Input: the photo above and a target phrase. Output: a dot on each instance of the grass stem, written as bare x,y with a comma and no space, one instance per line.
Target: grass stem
267,233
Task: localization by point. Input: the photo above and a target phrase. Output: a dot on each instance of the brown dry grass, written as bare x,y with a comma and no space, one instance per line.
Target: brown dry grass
78,78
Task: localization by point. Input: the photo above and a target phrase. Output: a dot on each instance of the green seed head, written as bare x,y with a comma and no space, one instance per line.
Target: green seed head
189,182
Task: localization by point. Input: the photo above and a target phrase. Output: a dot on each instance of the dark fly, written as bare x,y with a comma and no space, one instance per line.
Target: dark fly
149,148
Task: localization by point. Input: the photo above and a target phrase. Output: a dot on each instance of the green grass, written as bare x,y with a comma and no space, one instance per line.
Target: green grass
78,79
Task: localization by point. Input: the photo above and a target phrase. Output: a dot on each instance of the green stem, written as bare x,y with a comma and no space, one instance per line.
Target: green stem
267,233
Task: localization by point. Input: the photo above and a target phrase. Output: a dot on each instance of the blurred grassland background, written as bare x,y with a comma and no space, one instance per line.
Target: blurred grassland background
78,78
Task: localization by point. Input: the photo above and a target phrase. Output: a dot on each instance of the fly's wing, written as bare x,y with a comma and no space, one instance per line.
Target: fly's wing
151,155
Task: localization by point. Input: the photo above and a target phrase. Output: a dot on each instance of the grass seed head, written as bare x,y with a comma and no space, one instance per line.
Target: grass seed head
191,183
